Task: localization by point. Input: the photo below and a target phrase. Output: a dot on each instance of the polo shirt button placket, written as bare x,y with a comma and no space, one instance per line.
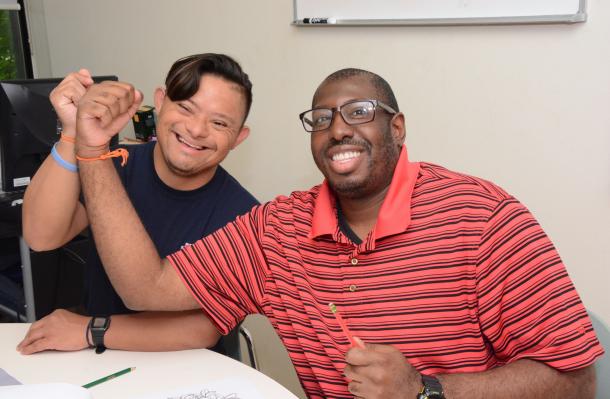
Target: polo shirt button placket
353,287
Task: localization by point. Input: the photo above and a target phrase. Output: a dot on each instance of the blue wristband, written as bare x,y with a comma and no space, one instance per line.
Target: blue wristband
62,162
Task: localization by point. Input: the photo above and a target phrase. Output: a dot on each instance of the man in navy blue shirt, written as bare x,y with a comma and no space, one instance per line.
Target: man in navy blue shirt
176,185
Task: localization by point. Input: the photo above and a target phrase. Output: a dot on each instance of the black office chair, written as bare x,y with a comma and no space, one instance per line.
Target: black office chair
12,302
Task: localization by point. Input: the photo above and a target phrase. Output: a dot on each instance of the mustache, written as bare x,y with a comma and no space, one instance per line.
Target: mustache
349,141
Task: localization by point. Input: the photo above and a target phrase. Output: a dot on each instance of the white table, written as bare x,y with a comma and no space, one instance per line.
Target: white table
155,371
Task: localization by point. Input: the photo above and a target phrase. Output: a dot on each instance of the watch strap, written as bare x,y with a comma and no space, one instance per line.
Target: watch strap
432,388
97,333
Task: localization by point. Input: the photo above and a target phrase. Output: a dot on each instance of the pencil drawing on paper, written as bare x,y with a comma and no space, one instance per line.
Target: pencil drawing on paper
205,394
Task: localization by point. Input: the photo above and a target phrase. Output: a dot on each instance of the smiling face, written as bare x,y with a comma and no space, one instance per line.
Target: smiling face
196,134
359,160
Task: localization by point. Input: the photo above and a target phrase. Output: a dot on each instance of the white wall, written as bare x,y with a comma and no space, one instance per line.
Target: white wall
524,106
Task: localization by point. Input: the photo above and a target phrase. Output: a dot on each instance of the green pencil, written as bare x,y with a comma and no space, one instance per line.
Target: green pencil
108,378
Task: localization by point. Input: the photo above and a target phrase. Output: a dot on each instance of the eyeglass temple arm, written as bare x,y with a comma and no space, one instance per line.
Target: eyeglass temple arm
387,108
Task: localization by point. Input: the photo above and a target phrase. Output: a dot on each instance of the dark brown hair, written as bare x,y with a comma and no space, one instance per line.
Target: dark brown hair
183,78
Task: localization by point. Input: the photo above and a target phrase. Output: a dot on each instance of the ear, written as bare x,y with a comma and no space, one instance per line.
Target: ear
241,136
159,98
397,125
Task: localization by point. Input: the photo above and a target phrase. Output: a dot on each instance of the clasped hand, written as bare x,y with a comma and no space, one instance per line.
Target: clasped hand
102,112
380,371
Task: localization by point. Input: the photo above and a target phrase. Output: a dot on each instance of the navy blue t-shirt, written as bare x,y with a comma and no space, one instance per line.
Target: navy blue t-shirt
171,217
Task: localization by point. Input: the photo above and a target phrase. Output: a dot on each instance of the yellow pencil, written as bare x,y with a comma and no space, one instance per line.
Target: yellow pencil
109,377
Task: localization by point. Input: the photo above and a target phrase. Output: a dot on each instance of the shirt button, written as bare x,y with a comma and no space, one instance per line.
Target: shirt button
353,288
354,261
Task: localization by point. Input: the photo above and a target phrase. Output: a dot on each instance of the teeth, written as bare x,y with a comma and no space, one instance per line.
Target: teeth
342,156
180,139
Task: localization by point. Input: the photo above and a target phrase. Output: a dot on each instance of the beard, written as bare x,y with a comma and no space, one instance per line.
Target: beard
380,167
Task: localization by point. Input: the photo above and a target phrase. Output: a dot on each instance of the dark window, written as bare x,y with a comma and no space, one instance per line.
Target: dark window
15,60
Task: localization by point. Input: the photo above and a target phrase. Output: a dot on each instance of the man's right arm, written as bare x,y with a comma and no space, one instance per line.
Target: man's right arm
142,279
131,260
52,213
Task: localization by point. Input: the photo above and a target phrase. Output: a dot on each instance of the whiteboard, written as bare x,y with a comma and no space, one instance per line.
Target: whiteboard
436,12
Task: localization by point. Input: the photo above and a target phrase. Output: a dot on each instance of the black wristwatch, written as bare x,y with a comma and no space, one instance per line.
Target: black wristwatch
432,388
98,327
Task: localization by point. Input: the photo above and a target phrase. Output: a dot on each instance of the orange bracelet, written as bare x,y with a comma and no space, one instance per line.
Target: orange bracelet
121,152
67,139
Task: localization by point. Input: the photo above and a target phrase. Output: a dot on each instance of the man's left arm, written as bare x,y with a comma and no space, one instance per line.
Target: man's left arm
529,313
63,330
381,371
522,379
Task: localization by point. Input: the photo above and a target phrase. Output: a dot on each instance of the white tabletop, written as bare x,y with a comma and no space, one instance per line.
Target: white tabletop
155,371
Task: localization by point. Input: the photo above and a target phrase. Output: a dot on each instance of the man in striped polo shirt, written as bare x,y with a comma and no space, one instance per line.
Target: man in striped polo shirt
448,283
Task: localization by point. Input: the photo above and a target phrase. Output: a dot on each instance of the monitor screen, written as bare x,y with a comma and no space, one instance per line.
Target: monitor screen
28,128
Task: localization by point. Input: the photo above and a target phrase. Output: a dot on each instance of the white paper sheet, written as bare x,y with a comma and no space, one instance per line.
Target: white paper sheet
47,391
229,388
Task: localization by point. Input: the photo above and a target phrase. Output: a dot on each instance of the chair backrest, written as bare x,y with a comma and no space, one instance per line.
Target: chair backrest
265,352
602,366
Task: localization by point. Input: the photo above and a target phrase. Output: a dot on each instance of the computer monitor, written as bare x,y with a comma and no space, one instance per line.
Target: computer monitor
28,128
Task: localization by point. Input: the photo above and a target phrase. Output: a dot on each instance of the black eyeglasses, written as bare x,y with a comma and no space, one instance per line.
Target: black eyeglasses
353,112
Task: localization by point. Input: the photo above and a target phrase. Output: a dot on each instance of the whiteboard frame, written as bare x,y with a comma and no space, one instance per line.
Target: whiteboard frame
579,16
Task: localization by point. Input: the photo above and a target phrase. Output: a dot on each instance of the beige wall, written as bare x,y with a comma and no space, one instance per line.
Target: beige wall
524,106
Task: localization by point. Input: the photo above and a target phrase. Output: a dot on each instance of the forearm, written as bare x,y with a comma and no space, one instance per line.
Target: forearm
148,331
52,213
161,331
125,248
521,379
140,277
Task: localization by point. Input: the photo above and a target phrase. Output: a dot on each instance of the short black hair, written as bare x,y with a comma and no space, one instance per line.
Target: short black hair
380,84
183,78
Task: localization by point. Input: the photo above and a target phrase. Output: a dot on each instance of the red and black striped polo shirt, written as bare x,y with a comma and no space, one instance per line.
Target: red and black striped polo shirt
457,274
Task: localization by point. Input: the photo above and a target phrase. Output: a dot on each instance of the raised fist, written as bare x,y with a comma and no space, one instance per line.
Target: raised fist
66,96
102,112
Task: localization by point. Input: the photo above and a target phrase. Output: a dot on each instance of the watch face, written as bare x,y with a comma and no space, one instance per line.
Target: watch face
432,388
98,322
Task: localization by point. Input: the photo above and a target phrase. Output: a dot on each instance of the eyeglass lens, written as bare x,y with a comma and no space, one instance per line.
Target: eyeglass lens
352,113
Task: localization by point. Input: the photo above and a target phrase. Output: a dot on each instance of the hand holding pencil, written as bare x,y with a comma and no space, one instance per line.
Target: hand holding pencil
374,370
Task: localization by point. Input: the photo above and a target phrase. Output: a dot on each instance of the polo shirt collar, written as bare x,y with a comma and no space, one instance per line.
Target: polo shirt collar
395,213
